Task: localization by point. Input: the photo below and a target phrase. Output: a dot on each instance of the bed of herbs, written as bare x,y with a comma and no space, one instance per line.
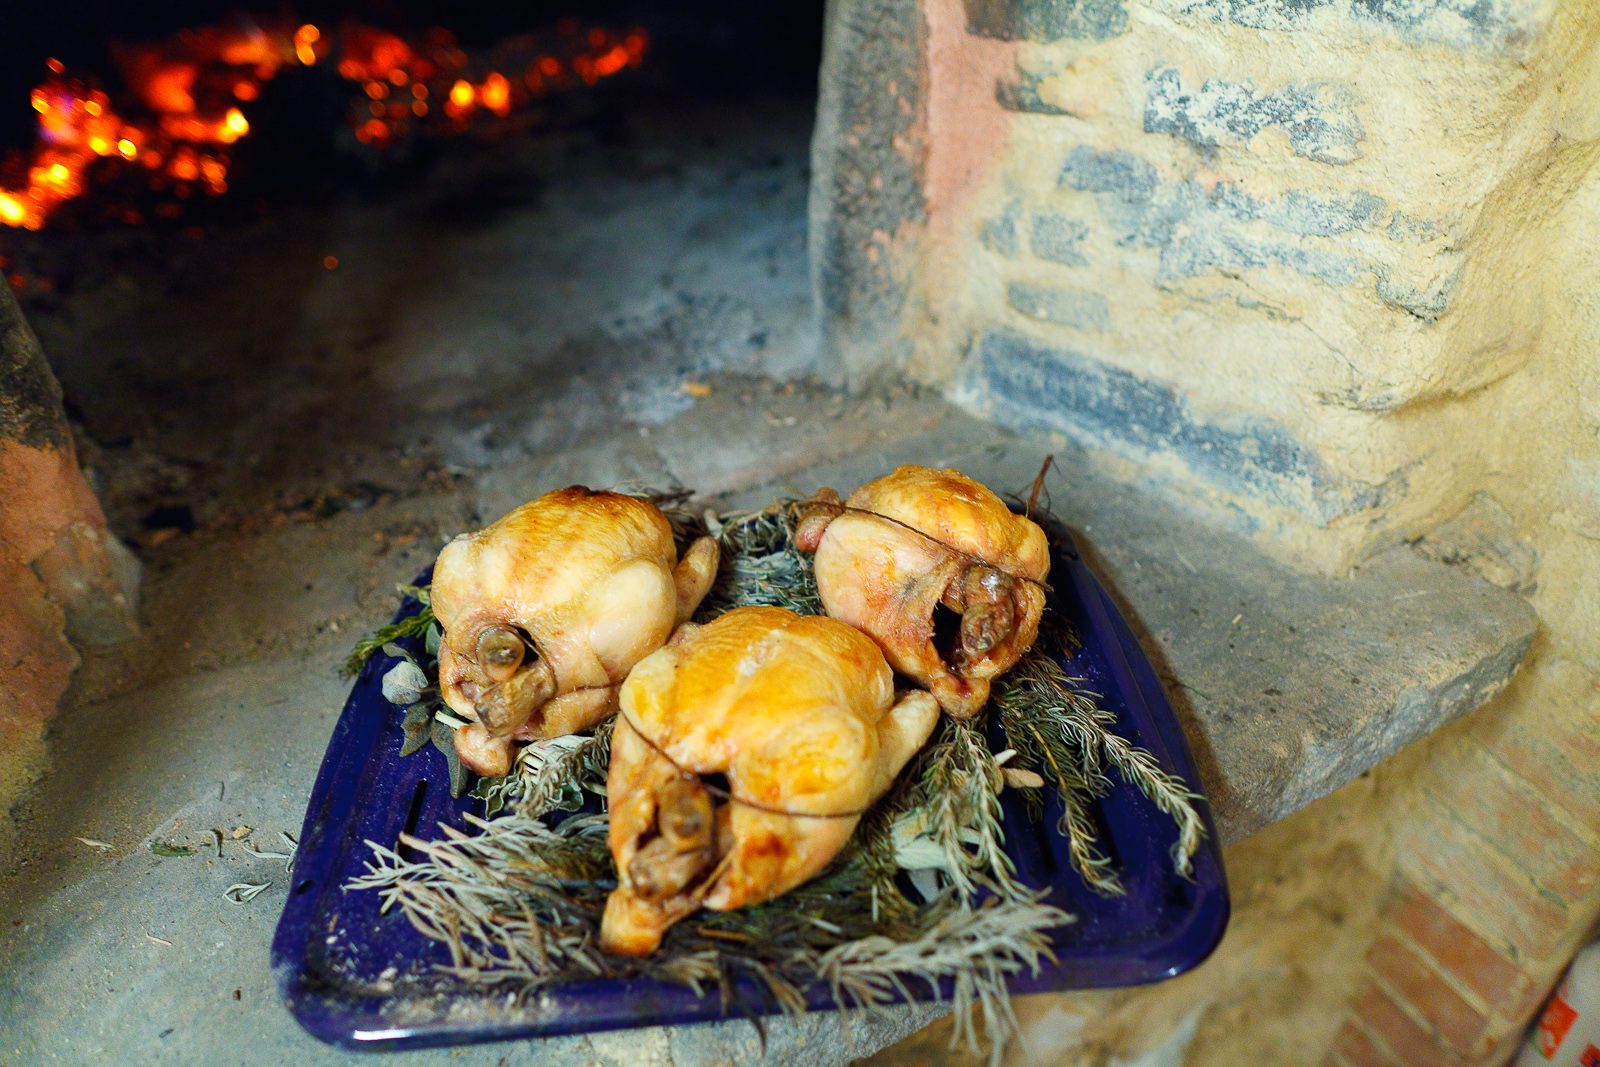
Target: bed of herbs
518,903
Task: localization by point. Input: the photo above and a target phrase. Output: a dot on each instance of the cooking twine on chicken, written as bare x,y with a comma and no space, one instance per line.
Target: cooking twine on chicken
727,795
839,507
518,900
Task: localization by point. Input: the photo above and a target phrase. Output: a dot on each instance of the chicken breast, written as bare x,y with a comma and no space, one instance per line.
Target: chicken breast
798,713
546,611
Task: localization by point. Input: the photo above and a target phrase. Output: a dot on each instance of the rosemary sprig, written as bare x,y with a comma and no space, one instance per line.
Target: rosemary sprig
555,774
760,564
978,949
410,626
1059,730
957,798
518,899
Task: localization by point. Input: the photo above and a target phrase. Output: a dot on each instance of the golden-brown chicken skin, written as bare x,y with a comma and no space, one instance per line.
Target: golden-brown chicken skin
798,712
919,540
546,611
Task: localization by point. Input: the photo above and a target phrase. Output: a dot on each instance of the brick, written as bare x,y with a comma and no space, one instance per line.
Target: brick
1502,901
1574,881
1502,1045
1554,744
1517,822
1457,1023
1456,948
1355,1048
1410,1044
1552,763
1533,997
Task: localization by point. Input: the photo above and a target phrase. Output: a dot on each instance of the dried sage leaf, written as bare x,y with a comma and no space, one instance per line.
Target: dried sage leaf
418,728
405,683
398,652
444,739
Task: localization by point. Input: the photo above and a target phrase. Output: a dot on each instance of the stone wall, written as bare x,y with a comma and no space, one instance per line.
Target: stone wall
1327,272
1240,243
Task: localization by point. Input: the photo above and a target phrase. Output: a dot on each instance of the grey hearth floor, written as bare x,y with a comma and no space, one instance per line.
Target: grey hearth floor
348,423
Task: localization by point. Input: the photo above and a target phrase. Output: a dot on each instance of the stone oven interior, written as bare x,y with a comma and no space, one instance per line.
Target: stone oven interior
1324,420
626,240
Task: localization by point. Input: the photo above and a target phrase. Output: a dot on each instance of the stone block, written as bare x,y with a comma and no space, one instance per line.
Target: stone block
1319,120
865,188
1201,226
1483,538
1022,93
999,235
1076,309
1034,385
1449,22
1056,238
1046,20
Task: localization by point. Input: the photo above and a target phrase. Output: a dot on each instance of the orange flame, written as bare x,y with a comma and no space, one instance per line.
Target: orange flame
192,84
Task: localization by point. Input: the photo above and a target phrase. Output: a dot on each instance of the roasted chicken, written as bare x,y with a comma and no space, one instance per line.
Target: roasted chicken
546,611
935,569
798,713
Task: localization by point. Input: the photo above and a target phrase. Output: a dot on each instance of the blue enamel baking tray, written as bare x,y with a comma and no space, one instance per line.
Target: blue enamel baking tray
360,979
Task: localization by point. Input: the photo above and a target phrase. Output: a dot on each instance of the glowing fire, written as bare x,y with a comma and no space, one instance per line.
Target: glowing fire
192,85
